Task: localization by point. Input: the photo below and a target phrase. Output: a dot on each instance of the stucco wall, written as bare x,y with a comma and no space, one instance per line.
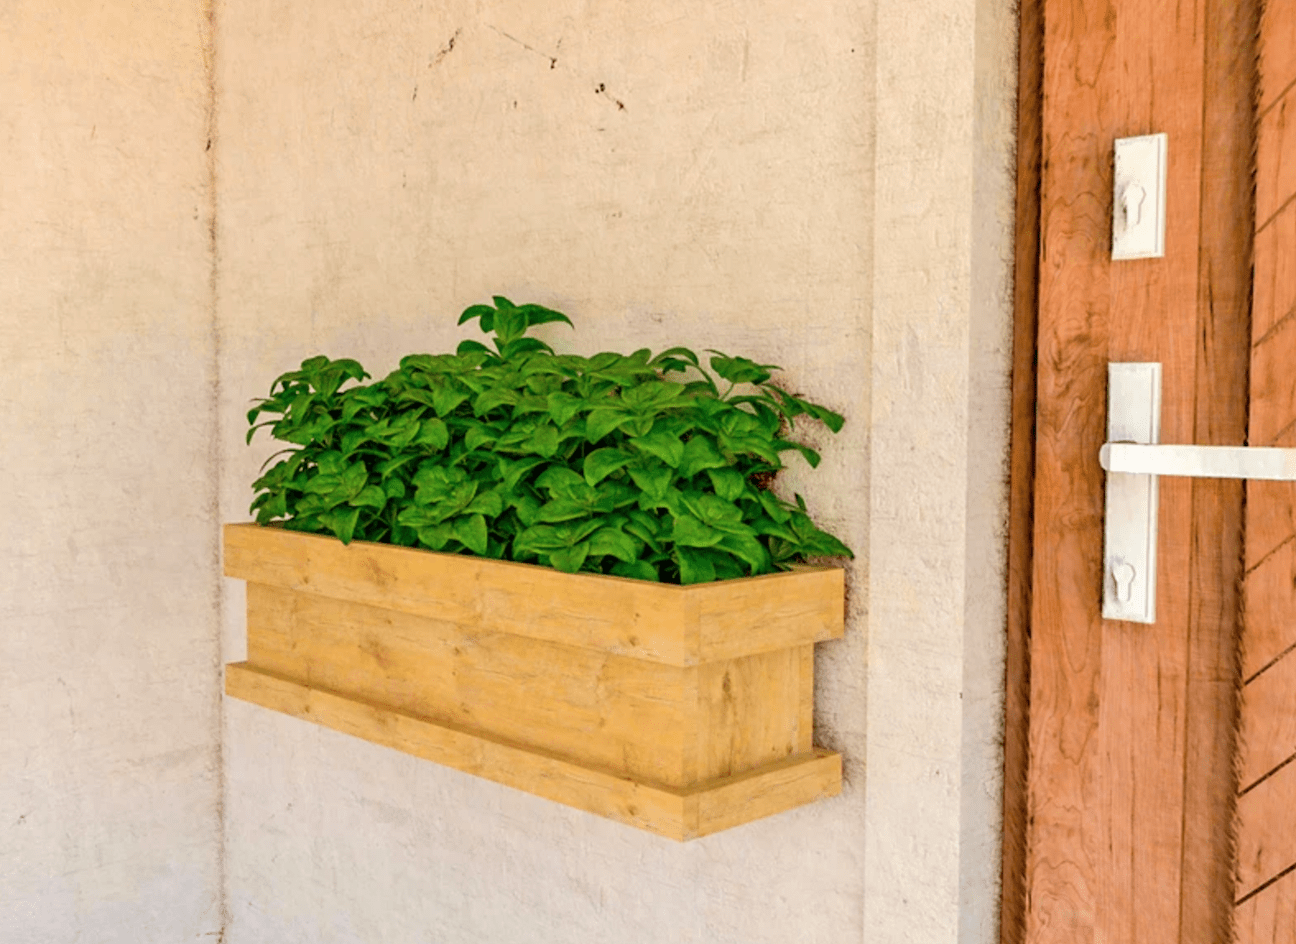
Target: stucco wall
109,720
823,187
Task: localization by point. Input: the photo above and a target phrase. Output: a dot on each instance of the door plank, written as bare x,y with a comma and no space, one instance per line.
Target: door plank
1268,736
1064,853
1270,589
1223,306
1276,158
1144,688
1266,830
1269,916
1275,271
1278,38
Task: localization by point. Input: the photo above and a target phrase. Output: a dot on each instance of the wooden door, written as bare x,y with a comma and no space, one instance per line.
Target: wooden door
1151,770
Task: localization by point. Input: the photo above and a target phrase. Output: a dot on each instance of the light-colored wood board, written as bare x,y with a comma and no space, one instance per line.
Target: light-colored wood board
1266,830
624,617
733,801
749,712
1276,159
1277,51
1268,593
1268,732
1275,272
1268,917
763,614
674,813
629,715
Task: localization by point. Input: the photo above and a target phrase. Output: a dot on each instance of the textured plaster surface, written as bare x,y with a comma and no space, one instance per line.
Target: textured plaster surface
665,173
827,188
940,367
109,757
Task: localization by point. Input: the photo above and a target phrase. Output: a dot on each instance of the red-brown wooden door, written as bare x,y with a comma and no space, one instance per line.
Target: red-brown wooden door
1152,768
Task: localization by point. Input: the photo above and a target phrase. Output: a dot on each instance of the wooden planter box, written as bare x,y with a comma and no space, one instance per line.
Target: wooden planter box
680,710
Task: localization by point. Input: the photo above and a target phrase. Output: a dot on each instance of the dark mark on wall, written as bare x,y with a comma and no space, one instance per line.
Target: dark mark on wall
601,89
21,819
553,60
414,97
445,50
209,144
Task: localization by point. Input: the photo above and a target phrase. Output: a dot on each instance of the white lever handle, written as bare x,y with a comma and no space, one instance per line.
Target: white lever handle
1205,462
1134,461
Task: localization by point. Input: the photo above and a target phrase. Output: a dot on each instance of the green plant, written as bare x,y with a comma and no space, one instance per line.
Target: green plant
605,464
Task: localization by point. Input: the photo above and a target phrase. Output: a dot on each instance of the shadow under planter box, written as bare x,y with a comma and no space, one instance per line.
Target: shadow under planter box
683,710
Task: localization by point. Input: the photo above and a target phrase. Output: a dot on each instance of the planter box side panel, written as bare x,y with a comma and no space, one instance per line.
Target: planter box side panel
755,710
628,715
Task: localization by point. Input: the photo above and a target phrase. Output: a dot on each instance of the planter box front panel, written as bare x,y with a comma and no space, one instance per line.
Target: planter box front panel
456,663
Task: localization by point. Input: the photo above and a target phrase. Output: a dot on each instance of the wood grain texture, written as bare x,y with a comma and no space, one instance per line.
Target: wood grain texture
443,648
671,624
1270,630
1266,827
1129,779
1275,157
1030,60
1266,830
1270,916
679,814
1277,51
1275,273
1268,721
1220,406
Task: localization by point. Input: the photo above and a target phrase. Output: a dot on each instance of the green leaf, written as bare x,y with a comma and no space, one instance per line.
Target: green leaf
602,421
528,510
569,560
371,496
563,509
470,531
447,395
690,532
747,549
437,536
700,453
666,446
484,312
810,456
563,406
601,463
615,543
544,440
512,470
393,488
558,478
728,483
434,434
489,503
637,570
341,522
695,566
654,479
740,369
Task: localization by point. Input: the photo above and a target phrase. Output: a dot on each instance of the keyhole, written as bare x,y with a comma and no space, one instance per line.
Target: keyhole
1123,573
1132,204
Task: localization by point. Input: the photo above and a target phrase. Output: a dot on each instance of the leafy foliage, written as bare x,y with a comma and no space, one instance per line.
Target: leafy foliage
635,465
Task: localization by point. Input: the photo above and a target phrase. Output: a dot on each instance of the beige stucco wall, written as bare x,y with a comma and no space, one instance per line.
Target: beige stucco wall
826,187
109,684
823,187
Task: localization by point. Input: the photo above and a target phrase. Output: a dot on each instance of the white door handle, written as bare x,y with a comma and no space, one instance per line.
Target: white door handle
1201,462
1134,460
